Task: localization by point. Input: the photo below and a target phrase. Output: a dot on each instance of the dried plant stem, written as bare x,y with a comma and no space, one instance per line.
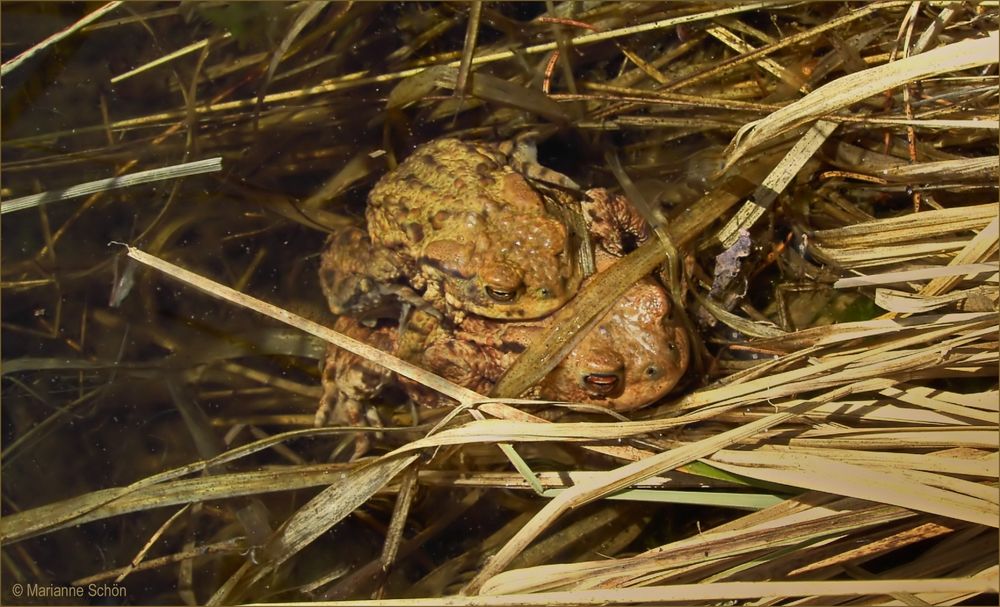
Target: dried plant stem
356,79
167,58
209,165
396,365
44,44
623,477
719,591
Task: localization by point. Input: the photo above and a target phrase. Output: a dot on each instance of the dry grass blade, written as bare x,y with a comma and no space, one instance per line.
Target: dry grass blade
325,510
734,321
902,302
986,168
209,165
972,437
724,591
903,536
315,518
506,431
181,52
734,42
910,227
16,62
839,478
145,493
860,85
855,258
776,181
786,41
107,503
978,250
931,408
916,275
416,87
396,365
873,362
309,12
977,467
912,247
623,477
508,94
924,124
468,47
796,521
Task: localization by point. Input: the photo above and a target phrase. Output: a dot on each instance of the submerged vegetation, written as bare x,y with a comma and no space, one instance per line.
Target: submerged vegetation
822,183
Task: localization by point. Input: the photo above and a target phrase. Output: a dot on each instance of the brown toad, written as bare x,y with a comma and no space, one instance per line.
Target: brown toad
631,358
466,228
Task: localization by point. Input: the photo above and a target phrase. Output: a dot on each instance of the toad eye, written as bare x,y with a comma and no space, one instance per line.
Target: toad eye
500,295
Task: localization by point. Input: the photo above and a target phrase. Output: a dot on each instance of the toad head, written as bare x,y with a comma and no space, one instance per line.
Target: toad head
503,266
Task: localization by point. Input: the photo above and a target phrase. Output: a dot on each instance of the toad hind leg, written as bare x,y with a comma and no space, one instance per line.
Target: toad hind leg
613,221
350,382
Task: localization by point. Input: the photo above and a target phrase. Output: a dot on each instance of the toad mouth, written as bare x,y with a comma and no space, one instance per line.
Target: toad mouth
601,383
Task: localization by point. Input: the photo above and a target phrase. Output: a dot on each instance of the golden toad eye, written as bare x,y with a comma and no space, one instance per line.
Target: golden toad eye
500,294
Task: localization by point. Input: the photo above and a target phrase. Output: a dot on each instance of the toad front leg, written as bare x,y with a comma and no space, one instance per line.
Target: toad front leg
365,281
